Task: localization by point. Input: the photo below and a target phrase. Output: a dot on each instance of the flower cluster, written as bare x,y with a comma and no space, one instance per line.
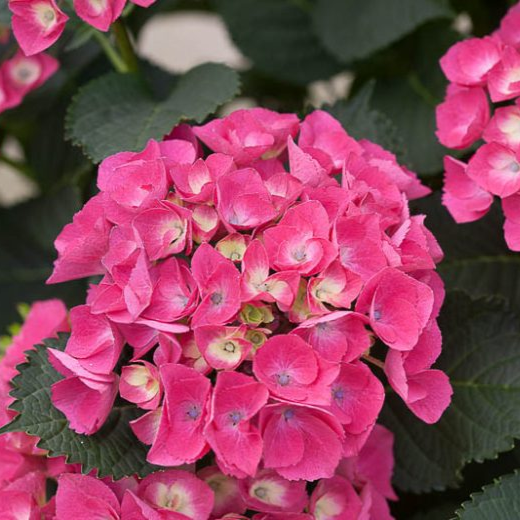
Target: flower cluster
253,284
37,24
178,494
479,70
22,74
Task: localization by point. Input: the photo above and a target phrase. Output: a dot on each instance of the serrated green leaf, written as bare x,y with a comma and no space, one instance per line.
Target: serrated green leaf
361,121
481,355
352,31
116,113
277,36
27,234
498,501
114,450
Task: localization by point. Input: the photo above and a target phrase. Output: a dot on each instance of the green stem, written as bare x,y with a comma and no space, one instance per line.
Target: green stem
374,361
125,46
116,60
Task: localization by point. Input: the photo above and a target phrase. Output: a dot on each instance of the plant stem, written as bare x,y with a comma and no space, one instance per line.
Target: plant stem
374,361
116,60
125,46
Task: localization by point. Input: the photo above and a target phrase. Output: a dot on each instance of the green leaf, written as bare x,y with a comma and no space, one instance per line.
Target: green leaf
498,501
481,355
352,31
361,121
116,113
27,234
277,36
410,107
114,450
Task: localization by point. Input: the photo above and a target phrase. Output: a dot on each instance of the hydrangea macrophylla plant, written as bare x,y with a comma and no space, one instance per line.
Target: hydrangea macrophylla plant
249,300
482,103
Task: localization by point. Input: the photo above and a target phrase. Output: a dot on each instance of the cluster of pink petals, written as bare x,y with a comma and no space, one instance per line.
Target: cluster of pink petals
358,489
22,74
484,73
37,24
251,283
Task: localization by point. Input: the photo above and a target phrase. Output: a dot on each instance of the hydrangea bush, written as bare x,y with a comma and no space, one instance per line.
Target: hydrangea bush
261,312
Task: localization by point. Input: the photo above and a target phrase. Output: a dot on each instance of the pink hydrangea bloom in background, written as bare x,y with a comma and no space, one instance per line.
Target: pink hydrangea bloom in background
245,289
483,72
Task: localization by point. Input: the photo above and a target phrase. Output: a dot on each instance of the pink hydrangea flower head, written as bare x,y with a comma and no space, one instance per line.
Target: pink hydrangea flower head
140,384
496,169
85,398
463,197
228,499
300,442
399,307
237,443
468,62
99,13
36,24
504,127
179,492
270,493
84,497
462,117
335,499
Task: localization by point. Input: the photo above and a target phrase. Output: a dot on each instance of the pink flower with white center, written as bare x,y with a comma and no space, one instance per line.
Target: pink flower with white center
504,127
205,223
468,62
335,499
337,336
320,132
237,443
291,370
195,182
167,492
223,348
496,168
95,342
399,307
247,135
334,286
504,78
233,246
84,497
226,489
36,24
300,241
82,244
140,384
85,398
425,391
164,230
462,117
270,493
99,13
243,200
464,198
300,442
257,284
219,285
511,207
178,438
360,243
21,74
